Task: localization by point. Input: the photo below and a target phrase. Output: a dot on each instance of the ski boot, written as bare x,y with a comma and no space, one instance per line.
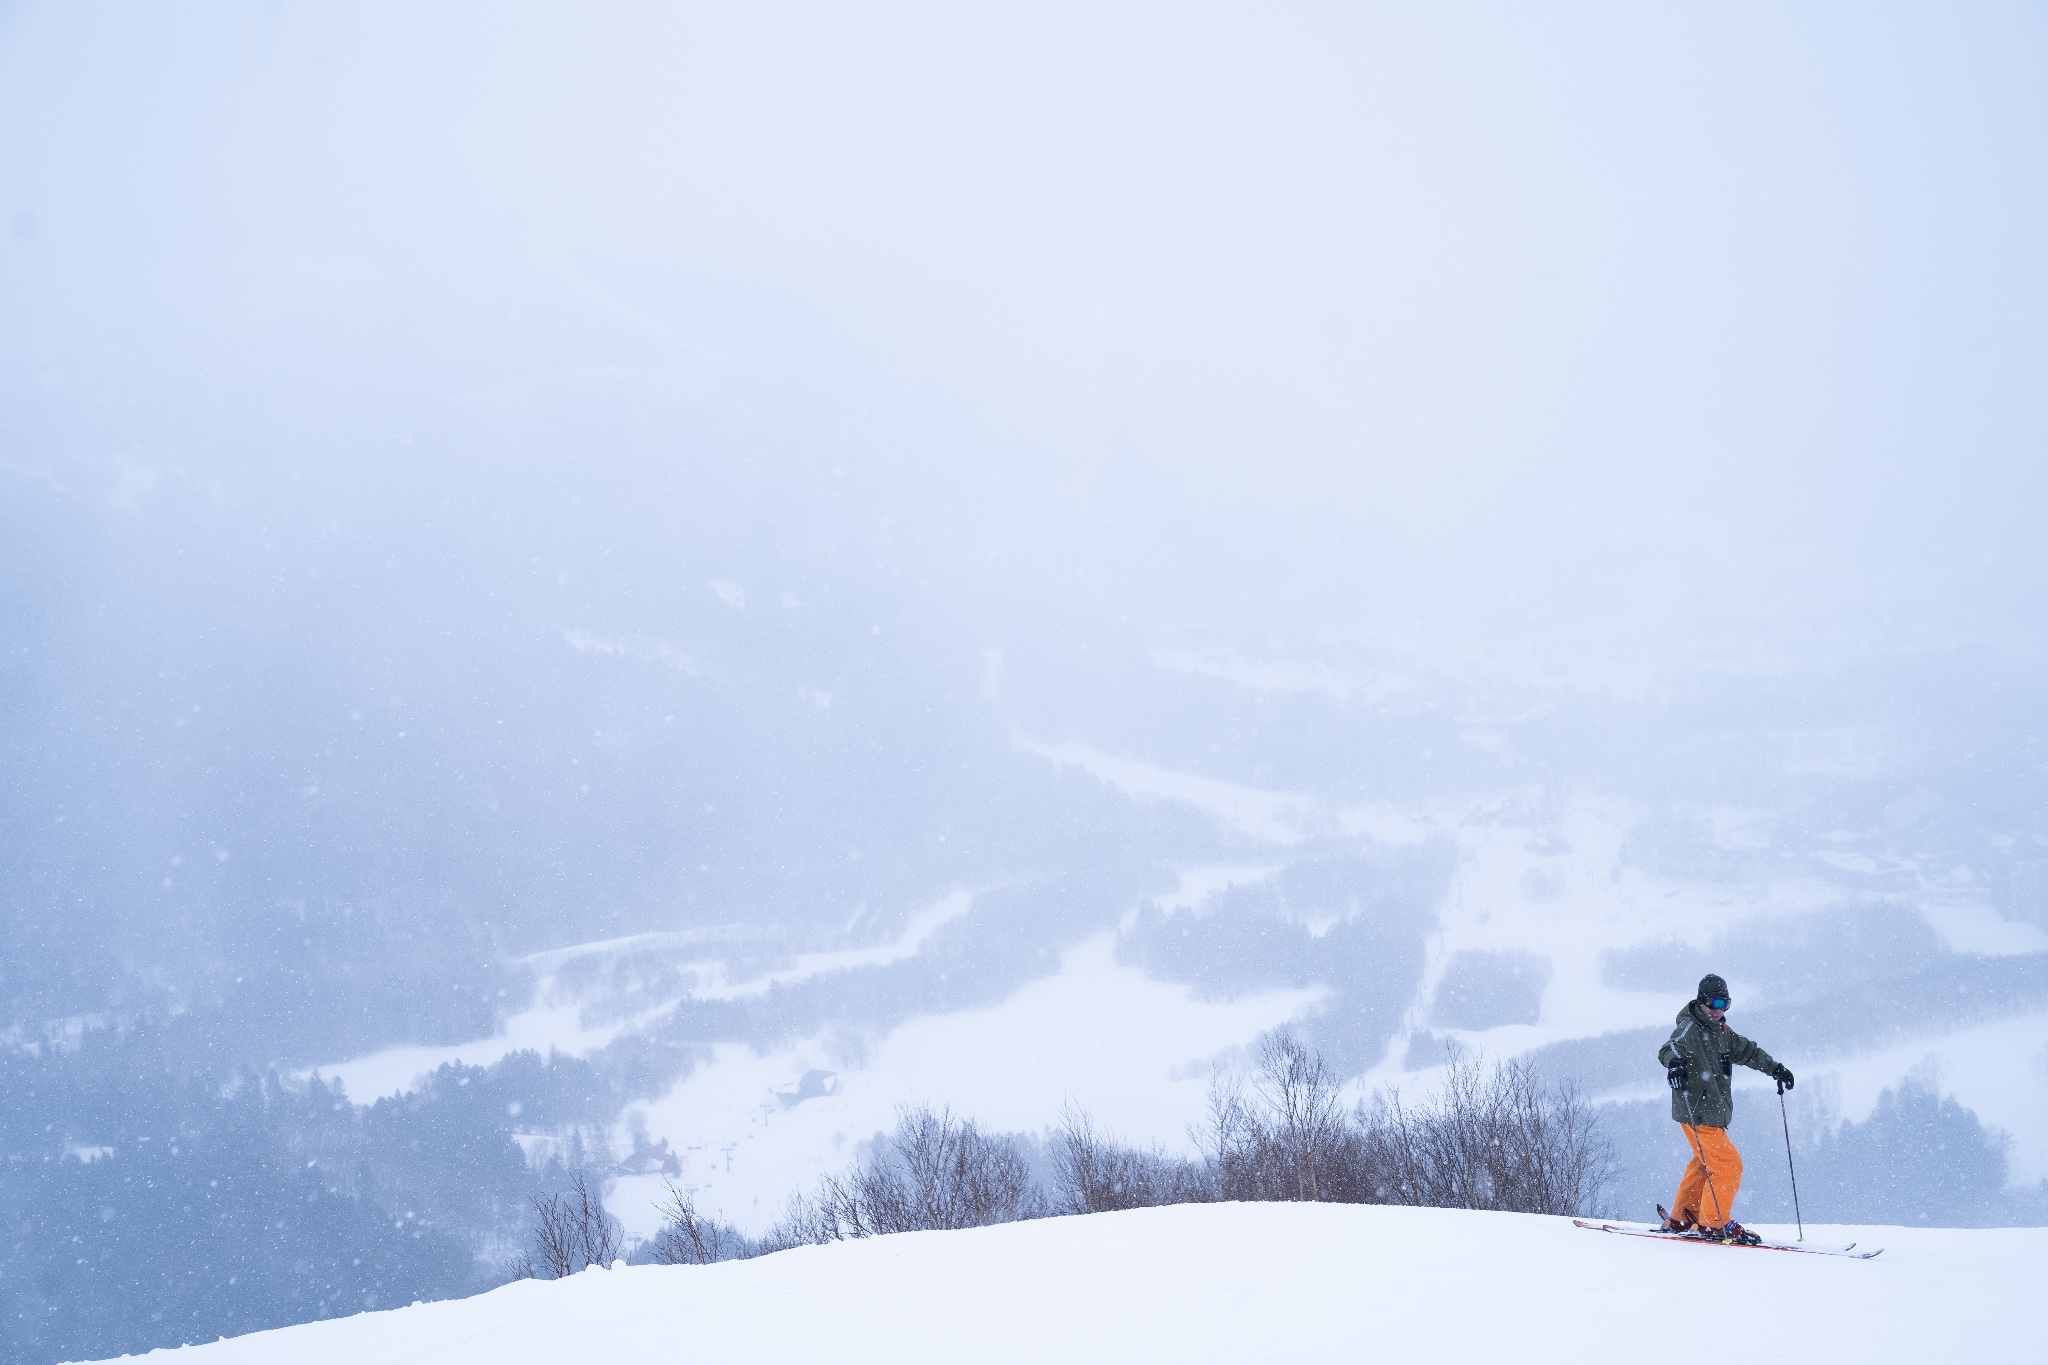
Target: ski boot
1732,1233
1678,1224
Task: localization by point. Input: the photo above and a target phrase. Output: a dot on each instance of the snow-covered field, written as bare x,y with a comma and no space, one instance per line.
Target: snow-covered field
1239,1282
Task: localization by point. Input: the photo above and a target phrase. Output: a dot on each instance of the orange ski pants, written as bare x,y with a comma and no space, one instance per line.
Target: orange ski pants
1710,1201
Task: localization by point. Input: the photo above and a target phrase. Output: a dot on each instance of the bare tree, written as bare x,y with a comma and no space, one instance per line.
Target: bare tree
571,1232
1097,1174
1288,1138
958,1176
1300,1097
1501,1139
689,1238
934,1171
1491,1139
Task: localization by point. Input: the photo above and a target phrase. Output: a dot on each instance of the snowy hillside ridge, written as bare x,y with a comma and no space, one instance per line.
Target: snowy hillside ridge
1231,1282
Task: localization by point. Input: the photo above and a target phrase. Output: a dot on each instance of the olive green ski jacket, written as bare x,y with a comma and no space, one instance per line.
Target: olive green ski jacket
1710,1052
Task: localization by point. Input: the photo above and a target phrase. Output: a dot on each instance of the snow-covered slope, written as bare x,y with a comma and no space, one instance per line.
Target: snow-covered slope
1236,1282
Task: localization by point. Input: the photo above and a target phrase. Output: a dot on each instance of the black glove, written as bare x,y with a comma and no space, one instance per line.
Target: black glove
1783,1076
1675,1074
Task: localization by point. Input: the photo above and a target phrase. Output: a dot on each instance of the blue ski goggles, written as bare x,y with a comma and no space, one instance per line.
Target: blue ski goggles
1716,1002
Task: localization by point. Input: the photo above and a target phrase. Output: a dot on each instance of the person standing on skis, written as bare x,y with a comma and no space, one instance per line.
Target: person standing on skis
1699,1058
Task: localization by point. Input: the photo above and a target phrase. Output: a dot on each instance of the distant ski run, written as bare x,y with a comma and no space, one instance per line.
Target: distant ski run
1627,1230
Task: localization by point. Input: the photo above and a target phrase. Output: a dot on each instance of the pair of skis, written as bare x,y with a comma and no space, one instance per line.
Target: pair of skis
1767,1244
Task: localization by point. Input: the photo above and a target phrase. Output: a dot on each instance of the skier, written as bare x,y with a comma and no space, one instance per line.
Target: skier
1698,1058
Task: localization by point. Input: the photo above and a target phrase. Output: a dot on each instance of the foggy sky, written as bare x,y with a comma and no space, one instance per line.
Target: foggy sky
1426,325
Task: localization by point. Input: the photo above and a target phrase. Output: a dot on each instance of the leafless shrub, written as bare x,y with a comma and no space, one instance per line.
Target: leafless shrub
1497,1138
935,1171
1096,1174
1492,1139
689,1238
1288,1138
571,1231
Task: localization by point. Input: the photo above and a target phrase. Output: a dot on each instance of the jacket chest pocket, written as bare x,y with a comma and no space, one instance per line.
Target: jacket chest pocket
1727,1065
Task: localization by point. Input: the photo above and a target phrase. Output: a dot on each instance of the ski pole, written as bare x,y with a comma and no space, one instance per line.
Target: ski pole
1787,1125
1701,1150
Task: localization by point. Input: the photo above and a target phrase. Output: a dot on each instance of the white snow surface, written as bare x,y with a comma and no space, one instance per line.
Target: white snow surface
1233,1282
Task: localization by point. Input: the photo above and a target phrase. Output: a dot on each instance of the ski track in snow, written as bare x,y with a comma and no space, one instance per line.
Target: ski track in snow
1234,1283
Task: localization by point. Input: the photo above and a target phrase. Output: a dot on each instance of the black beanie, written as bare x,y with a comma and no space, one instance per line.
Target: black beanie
1711,986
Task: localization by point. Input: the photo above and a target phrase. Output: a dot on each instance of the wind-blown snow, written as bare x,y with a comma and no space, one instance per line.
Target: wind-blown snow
1237,1282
